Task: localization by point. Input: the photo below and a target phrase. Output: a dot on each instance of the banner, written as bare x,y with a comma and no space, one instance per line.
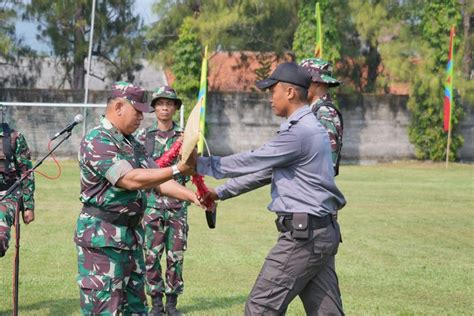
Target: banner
448,86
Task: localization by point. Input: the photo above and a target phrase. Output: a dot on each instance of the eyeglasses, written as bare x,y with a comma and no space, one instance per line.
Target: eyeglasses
169,103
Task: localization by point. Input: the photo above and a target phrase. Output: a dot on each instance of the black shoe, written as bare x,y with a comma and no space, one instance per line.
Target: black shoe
171,302
157,309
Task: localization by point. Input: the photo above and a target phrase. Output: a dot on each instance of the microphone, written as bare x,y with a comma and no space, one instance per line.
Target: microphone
77,119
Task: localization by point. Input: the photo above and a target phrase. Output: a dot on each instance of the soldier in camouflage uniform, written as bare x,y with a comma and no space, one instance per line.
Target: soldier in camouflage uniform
15,159
165,218
115,172
322,105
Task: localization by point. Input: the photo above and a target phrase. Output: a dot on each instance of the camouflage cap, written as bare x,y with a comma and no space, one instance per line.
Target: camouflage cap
134,94
165,92
320,70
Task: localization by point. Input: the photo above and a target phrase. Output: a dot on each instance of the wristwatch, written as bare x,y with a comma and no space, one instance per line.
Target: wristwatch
175,170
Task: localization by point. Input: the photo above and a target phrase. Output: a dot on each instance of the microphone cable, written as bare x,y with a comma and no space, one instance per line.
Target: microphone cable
56,162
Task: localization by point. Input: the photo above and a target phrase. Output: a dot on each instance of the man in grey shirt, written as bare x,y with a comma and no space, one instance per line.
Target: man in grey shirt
298,164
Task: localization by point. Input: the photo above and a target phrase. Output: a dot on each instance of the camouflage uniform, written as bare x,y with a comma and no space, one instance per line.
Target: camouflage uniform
19,165
165,218
110,256
331,120
324,108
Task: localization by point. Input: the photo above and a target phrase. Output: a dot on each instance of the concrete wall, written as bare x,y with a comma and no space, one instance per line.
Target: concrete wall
467,129
39,124
375,126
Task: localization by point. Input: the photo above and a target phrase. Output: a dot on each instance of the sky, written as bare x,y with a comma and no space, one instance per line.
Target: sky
27,30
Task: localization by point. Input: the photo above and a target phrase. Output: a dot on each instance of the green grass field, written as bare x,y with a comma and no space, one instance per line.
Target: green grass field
407,250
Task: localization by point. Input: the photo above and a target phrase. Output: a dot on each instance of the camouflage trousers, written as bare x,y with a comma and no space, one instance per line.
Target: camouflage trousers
7,219
165,229
111,281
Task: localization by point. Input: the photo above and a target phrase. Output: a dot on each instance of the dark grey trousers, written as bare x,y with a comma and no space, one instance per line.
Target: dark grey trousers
303,267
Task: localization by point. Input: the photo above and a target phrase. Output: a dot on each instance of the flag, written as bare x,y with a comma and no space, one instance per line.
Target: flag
202,95
448,85
318,51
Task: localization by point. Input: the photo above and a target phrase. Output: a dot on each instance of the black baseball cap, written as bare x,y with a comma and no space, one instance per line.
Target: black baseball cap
287,72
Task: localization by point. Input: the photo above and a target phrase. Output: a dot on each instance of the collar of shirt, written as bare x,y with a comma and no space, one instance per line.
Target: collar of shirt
175,128
294,118
113,131
326,97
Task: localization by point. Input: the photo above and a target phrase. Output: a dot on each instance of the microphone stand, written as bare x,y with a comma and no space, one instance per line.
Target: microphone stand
14,187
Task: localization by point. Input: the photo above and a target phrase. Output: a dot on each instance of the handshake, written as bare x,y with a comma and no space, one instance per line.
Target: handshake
187,164
188,167
206,196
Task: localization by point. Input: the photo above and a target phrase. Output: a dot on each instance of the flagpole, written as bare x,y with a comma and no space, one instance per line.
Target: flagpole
447,146
89,61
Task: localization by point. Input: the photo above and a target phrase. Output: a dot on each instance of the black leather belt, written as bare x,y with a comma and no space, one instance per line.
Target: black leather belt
120,219
284,222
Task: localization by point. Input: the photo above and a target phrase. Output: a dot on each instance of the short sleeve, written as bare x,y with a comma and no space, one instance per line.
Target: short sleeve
100,155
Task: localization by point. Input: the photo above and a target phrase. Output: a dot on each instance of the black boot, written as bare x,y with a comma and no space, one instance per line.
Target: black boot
171,302
157,308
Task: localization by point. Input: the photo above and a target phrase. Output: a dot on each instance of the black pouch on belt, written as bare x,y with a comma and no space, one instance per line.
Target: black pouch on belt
300,226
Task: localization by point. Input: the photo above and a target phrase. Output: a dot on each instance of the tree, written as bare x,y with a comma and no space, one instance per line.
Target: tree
265,68
7,29
374,20
340,43
162,35
418,54
19,68
335,27
256,25
176,40
426,125
65,25
186,64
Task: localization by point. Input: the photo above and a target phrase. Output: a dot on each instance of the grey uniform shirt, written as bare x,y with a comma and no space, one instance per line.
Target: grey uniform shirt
297,162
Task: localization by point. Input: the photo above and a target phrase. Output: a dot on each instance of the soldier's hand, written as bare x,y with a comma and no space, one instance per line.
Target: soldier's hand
28,216
192,159
185,169
188,167
197,202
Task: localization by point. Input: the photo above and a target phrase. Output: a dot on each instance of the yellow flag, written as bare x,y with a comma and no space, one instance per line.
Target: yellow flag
318,51
203,97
